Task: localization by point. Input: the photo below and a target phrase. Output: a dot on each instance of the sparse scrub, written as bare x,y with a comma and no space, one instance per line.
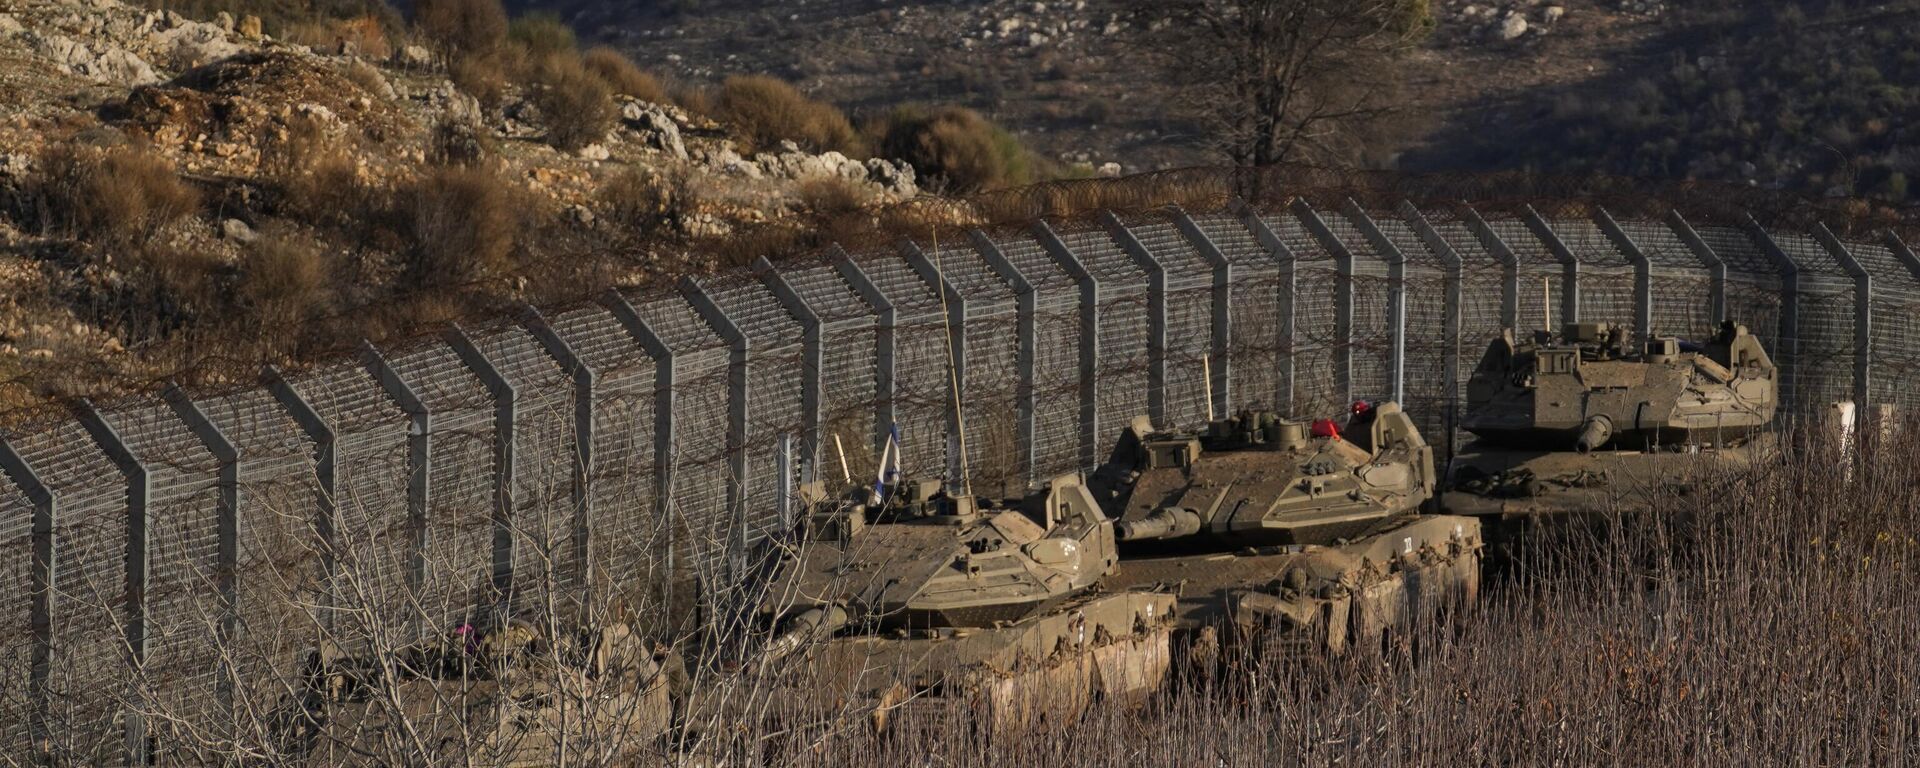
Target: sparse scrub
462,29
957,147
623,76
456,142
480,77
121,196
639,203
465,225
575,104
283,282
766,110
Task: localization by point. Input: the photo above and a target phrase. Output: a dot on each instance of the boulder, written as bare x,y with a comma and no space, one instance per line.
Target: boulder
237,231
594,152
1552,13
9,26
250,27
654,128
1512,28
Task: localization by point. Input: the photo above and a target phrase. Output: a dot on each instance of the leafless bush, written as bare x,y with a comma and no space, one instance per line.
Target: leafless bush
465,223
462,29
481,77
575,103
623,77
642,203
284,281
121,196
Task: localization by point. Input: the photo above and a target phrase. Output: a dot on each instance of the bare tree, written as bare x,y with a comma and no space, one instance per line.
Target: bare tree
1277,81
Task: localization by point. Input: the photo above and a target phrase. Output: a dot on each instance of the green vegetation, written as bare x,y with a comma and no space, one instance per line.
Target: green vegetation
954,147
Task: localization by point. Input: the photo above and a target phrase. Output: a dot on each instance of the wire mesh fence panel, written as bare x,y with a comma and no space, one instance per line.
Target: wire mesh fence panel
848,378
1606,274
1372,343
698,527
922,393
88,681
1753,285
1057,390
1255,345
1121,374
774,388
1681,286
17,709
1542,277
990,399
1824,356
185,602
1894,333
1189,327
456,584
1316,283
546,570
625,538
1429,396
279,574
376,542
1482,286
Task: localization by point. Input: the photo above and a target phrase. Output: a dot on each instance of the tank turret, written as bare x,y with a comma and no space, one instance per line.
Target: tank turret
1585,389
913,557
1257,479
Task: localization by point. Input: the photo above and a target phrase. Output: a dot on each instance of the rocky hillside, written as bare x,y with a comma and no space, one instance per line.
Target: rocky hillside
194,198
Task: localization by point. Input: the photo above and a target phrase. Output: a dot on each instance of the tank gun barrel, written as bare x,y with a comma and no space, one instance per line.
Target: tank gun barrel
1163,523
811,624
1597,431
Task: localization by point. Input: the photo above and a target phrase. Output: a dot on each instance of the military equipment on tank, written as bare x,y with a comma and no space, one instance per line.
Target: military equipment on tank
1292,535
1578,422
912,596
509,697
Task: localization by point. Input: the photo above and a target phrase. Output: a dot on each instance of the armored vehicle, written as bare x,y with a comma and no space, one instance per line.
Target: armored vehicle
510,696
906,594
1313,527
1579,422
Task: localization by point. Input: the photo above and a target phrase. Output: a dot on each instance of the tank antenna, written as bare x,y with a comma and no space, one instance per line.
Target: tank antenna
1206,380
846,473
1546,305
953,369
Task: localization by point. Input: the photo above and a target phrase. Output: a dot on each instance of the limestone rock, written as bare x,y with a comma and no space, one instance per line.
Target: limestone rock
655,128
1512,28
237,231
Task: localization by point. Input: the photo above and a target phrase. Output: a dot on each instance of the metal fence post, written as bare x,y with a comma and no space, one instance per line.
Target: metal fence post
1509,268
326,519
1789,356
1716,267
740,357
1220,346
1288,289
1862,313
419,459
884,357
1569,265
46,515
139,569
1342,298
1642,271
956,304
227,550
664,378
1156,313
1026,352
505,403
1089,338
584,379
783,465
813,365
1396,297
1451,319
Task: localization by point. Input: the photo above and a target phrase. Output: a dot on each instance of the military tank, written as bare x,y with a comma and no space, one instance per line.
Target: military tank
1301,536
1579,422
509,696
907,596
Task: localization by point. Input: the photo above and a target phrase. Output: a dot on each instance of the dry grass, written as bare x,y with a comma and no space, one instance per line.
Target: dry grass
766,110
122,196
465,225
462,28
623,76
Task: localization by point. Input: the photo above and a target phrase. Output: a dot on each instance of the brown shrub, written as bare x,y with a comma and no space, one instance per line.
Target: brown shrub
574,102
955,148
832,197
465,223
764,110
121,196
697,100
365,34
623,77
368,77
284,281
318,180
542,35
480,77
461,28
456,142
641,202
